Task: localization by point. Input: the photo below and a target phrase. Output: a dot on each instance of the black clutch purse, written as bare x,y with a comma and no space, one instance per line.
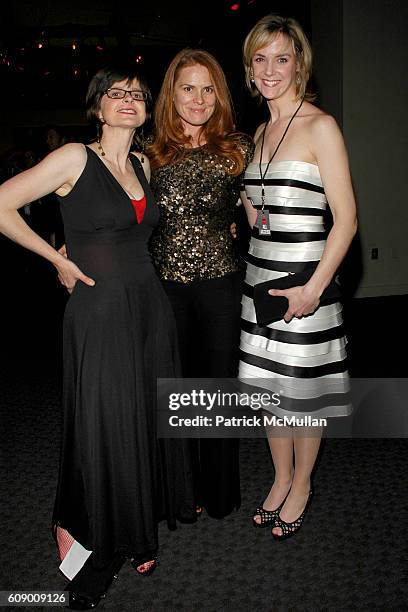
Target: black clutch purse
270,308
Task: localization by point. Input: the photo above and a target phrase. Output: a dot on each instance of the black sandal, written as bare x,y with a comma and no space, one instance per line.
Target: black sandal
267,516
289,529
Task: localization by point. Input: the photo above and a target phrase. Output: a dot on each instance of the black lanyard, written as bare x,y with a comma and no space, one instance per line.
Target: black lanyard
274,153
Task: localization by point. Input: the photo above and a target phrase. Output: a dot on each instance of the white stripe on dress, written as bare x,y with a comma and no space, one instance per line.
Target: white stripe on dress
270,359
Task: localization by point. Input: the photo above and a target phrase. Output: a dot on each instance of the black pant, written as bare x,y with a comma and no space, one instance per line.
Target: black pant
207,315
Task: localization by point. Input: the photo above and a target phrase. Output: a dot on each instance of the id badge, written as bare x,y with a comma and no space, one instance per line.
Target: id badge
263,223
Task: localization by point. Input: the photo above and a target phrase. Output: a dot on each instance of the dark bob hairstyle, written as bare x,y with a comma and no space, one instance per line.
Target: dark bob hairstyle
104,79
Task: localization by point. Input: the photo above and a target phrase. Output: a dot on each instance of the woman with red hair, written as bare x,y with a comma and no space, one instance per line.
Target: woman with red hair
197,161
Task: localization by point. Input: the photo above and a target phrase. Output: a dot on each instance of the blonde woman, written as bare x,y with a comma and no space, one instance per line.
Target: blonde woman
300,165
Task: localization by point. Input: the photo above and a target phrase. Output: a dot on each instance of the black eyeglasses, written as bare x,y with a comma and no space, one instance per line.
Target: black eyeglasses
118,94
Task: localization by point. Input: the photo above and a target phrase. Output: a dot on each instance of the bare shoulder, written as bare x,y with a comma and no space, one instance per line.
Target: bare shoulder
72,155
323,124
57,172
73,150
320,128
69,162
326,142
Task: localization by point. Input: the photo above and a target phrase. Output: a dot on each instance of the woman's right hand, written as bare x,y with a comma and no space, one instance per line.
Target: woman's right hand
69,273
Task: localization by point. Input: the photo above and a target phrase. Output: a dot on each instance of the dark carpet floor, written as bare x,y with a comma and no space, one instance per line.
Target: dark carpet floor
349,556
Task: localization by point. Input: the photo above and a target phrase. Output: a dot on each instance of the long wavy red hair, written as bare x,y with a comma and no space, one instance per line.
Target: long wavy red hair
170,143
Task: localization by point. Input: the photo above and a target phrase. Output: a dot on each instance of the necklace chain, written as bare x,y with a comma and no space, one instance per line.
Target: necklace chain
274,153
103,154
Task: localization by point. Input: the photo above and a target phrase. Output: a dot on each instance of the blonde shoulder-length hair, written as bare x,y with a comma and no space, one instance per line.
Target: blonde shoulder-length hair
170,144
263,33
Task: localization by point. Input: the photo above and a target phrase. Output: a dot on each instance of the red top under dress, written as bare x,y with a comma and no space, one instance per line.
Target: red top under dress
139,207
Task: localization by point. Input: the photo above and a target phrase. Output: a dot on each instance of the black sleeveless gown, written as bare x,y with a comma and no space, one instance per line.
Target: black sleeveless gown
116,480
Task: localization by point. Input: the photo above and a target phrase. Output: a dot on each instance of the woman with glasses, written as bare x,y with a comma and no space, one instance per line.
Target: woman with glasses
197,161
116,480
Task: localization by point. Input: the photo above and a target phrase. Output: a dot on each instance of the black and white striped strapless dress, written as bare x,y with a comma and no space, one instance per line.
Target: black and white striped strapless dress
304,360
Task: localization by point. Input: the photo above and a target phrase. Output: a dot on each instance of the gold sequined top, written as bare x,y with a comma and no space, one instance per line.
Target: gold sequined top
196,198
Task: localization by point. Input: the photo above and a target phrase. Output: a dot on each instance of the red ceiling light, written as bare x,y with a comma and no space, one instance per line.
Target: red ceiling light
234,7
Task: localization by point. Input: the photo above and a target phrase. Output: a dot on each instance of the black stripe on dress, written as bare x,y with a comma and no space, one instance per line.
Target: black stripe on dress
284,183
334,367
290,237
317,337
292,210
280,266
307,406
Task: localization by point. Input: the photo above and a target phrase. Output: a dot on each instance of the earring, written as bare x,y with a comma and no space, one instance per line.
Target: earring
298,79
251,76
139,141
98,140
143,141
